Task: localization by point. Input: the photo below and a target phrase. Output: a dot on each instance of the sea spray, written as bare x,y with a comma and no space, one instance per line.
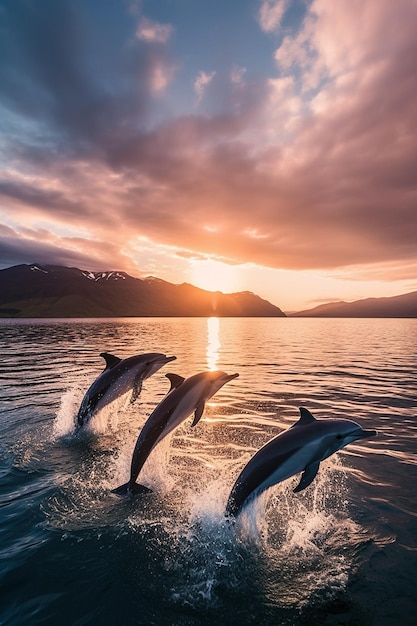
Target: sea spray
304,539
291,544
289,561
64,423
156,470
106,419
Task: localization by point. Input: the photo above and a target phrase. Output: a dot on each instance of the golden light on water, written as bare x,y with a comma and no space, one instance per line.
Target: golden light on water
213,342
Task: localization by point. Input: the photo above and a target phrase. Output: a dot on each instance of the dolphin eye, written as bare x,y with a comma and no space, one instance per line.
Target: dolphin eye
339,436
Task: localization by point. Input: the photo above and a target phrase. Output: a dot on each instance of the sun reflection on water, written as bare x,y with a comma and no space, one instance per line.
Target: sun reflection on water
213,342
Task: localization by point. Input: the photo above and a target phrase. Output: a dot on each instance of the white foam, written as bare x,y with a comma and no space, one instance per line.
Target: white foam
295,542
64,423
104,420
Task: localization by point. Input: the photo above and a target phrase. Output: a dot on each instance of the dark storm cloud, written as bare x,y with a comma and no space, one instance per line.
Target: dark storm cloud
55,71
42,246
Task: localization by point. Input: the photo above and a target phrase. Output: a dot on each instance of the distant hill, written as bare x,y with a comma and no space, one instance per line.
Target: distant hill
396,306
56,291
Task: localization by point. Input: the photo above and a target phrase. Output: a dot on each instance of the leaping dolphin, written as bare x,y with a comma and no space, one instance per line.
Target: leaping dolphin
298,449
117,378
185,396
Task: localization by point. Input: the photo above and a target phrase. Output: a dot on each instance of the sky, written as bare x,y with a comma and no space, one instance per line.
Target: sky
260,145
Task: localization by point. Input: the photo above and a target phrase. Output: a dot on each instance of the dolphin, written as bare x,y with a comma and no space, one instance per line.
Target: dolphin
186,396
117,378
298,449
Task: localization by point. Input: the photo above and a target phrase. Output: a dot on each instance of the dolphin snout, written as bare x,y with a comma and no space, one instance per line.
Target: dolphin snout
230,377
154,364
168,359
364,434
162,358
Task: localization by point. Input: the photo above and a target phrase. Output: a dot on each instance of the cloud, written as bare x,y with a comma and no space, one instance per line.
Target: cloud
76,98
150,31
29,245
203,79
312,166
160,76
271,13
237,74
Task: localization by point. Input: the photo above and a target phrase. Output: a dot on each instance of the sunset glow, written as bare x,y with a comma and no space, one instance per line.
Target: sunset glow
215,276
279,161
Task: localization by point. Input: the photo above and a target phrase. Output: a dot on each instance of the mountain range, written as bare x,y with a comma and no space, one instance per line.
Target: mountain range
396,306
55,291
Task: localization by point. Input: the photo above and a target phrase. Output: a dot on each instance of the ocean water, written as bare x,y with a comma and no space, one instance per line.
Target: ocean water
341,552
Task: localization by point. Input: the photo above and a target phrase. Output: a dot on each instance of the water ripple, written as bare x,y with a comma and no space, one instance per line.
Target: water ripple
289,555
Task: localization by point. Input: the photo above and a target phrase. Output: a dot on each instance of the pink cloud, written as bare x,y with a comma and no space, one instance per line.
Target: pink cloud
313,168
203,79
271,13
148,30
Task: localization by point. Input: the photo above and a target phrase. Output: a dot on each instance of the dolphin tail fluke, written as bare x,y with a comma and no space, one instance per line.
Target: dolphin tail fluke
131,490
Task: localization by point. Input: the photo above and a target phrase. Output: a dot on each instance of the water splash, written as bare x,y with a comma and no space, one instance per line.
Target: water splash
304,539
294,546
106,419
64,423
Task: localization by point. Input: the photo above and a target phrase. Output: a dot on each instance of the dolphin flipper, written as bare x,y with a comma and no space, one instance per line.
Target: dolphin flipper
137,388
198,413
308,476
133,490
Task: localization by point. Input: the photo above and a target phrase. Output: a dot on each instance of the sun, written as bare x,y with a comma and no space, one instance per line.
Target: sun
215,276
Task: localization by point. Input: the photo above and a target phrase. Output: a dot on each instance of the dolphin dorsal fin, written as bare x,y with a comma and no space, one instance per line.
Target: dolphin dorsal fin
306,417
175,379
110,359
